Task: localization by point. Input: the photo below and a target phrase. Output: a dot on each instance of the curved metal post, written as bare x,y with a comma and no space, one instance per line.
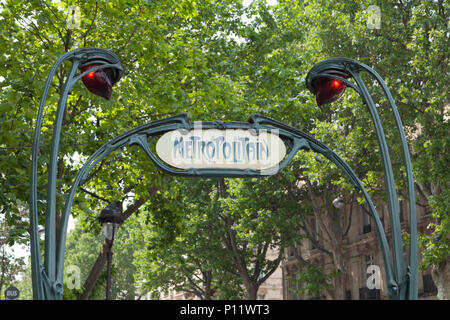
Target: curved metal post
44,281
406,279
393,205
37,268
413,259
50,217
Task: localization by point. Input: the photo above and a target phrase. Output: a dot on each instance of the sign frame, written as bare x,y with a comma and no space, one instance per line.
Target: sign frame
256,124
221,149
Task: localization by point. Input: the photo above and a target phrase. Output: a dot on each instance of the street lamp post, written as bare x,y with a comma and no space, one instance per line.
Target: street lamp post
328,80
100,69
110,218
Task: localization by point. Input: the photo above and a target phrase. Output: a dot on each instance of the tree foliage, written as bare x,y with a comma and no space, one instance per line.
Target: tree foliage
220,60
221,243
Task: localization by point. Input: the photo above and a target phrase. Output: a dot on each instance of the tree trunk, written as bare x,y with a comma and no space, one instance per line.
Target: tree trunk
2,269
208,281
441,278
94,274
340,287
252,290
339,259
333,225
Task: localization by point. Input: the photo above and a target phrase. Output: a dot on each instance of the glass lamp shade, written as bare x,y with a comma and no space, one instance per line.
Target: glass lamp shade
338,203
98,82
328,90
110,229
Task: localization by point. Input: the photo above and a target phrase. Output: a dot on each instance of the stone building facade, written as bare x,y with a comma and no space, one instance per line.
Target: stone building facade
365,277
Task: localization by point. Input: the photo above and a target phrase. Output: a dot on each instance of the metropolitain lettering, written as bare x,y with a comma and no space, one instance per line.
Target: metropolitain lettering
224,149
238,150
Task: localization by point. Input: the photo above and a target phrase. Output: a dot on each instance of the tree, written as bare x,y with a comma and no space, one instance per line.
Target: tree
11,266
153,39
176,244
203,57
409,52
82,252
98,265
164,46
226,231
257,215
23,283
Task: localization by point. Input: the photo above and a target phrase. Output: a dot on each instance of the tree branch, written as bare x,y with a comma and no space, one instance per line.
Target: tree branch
271,271
73,114
90,26
129,38
347,229
261,256
51,21
95,195
317,214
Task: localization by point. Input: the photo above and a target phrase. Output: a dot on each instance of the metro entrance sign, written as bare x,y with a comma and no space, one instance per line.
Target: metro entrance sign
213,148
256,148
266,145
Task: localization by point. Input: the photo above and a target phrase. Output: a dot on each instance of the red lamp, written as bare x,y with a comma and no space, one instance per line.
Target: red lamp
99,81
328,89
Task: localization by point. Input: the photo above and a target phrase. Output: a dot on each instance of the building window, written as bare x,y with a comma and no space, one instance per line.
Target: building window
365,220
293,288
428,284
315,235
369,294
369,260
348,295
291,251
401,210
381,212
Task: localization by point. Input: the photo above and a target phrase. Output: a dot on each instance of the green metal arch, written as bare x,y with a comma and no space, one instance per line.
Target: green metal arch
48,277
140,136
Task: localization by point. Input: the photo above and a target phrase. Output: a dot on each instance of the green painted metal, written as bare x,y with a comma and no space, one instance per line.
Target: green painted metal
406,279
43,275
147,134
47,277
